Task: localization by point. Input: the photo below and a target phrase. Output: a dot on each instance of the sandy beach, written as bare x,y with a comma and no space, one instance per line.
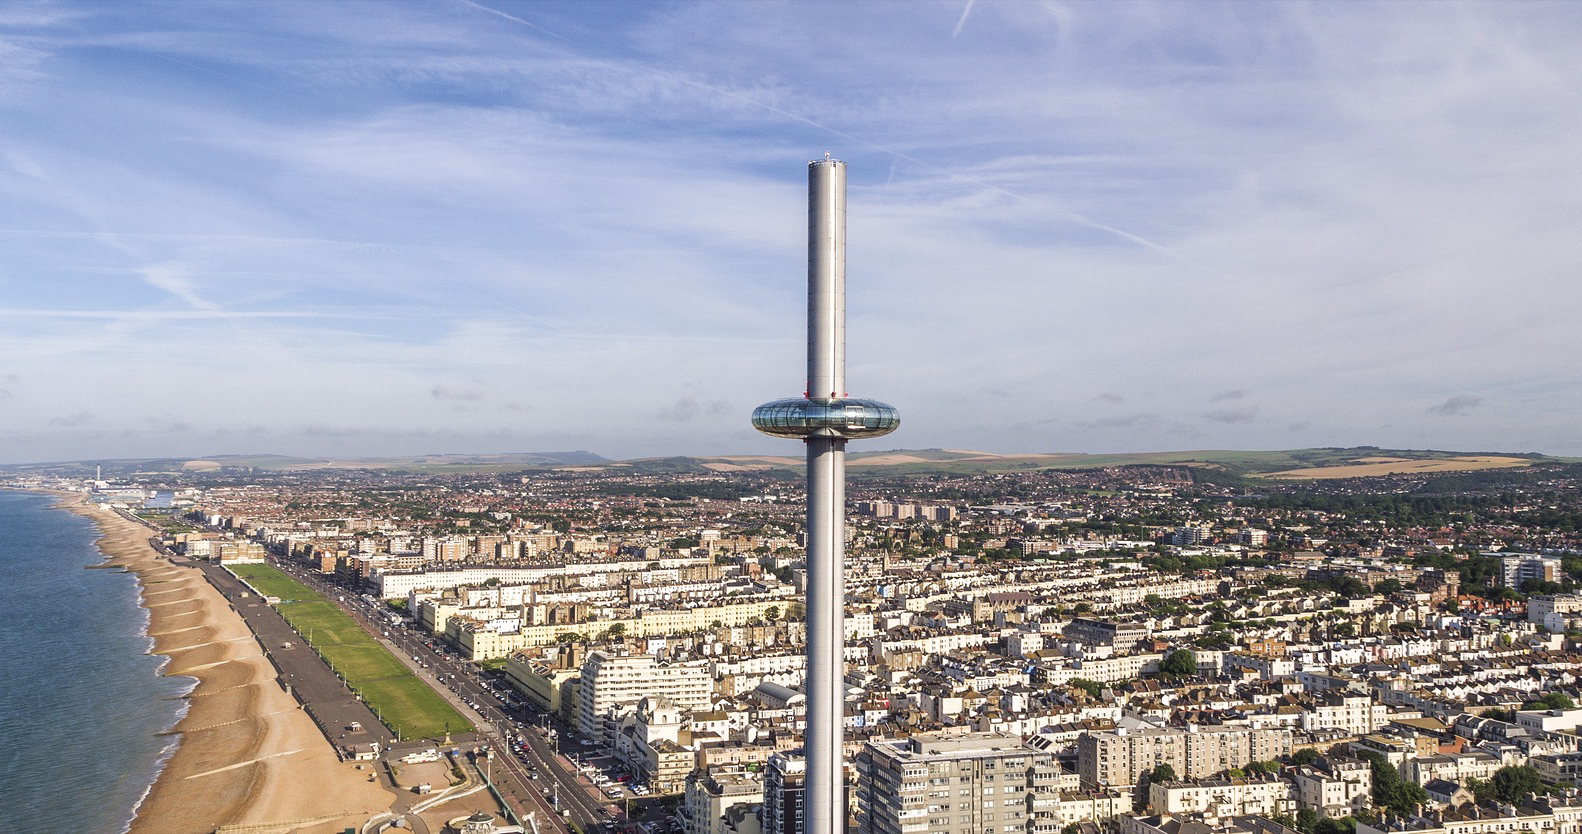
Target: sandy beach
248,755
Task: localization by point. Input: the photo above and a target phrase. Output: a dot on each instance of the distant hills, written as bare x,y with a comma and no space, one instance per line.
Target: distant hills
435,464
1290,464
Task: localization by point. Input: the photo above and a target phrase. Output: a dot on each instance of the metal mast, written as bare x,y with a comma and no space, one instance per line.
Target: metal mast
824,418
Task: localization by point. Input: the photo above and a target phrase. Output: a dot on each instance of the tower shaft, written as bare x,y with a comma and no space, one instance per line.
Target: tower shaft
824,803
826,280
825,418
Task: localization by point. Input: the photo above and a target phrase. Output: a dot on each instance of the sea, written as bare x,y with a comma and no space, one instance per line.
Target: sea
83,708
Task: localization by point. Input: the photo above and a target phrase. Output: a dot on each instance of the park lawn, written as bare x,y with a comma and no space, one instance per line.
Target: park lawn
273,583
415,702
404,702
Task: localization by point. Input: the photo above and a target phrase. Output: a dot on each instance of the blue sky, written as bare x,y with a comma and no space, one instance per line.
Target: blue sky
383,228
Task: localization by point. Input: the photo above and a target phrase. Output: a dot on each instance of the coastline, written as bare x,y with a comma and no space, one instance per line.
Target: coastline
244,752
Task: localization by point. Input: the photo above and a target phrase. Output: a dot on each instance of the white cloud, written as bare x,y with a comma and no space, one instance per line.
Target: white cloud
1102,218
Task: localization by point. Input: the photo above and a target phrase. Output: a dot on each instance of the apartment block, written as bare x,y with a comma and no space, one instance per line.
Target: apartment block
981,783
623,680
1224,797
1121,756
712,792
1333,786
784,785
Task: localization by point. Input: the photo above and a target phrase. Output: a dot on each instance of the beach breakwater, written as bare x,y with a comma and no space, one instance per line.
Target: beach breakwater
84,705
247,754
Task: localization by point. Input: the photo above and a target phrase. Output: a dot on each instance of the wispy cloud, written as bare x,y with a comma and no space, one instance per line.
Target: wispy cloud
163,315
1457,406
1232,416
1061,210
78,419
445,392
688,408
1126,422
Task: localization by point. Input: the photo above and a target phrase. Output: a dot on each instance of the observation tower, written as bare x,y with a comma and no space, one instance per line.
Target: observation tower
825,418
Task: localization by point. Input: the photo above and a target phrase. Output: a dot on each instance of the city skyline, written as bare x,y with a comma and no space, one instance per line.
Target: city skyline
385,228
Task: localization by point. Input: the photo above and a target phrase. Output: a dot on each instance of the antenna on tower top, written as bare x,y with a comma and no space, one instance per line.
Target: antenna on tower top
826,156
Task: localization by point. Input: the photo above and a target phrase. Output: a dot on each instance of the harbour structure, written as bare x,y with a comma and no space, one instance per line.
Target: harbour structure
824,418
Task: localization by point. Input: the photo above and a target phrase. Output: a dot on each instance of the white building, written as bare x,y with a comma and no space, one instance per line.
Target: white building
1224,797
1354,714
623,680
1333,787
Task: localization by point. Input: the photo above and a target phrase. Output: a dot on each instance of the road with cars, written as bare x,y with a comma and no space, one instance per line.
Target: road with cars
525,759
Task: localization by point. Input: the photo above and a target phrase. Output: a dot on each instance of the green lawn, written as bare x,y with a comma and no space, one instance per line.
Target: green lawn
406,703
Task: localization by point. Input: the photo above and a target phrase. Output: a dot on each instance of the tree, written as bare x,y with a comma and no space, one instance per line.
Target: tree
1178,664
1344,825
1390,790
1539,586
1093,688
1306,818
1482,789
1306,755
1513,782
1553,700
1162,773
1402,797
1348,586
772,613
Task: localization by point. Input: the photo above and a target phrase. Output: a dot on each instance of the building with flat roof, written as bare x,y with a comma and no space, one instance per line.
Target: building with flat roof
1121,756
982,783
610,680
712,792
785,783
1516,568
1105,632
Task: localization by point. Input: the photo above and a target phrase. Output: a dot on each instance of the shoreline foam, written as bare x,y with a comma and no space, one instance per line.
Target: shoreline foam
245,753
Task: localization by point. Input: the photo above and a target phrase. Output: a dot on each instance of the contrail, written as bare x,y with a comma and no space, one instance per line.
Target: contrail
164,315
484,8
947,172
963,21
